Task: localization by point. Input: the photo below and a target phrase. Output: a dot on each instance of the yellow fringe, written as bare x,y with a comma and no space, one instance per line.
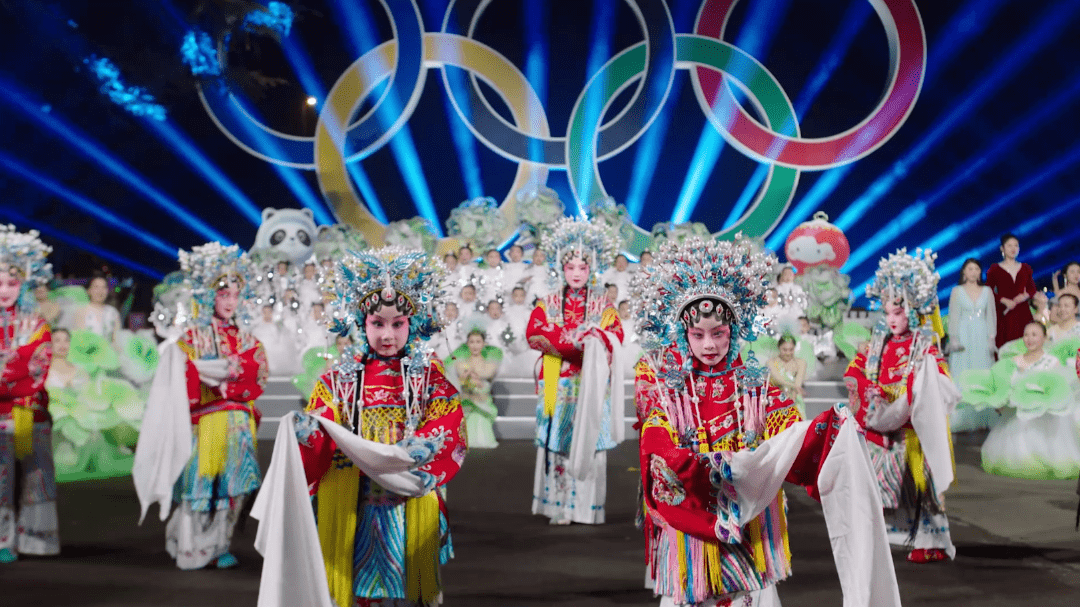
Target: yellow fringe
252,426
23,417
552,368
337,497
781,502
914,455
213,443
680,550
422,548
756,543
714,568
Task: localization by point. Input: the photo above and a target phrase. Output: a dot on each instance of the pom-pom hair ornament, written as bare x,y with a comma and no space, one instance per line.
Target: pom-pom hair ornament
571,237
213,266
24,253
405,278
686,279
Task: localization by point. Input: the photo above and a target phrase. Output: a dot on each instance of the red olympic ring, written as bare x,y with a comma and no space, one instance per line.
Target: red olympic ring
907,66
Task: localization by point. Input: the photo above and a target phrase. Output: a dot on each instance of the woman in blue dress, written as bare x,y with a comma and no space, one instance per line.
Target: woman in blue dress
972,330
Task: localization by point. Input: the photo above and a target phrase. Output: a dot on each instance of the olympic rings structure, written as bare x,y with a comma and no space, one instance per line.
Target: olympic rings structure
649,66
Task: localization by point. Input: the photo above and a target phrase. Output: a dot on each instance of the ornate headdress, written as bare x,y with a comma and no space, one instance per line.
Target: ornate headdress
908,279
213,266
684,281
911,281
26,254
571,237
405,278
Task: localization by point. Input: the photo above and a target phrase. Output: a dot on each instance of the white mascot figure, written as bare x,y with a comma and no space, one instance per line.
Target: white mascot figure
289,232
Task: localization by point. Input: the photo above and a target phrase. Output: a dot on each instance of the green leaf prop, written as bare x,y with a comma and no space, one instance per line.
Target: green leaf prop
1011,349
987,388
1065,349
138,356
1035,393
92,352
69,296
848,336
314,363
489,353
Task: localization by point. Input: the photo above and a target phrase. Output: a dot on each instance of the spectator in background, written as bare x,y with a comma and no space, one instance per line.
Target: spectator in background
611,292
97,316
645,260
619,275
1013,285
972,321
1071,279
514,270
49,310
62,373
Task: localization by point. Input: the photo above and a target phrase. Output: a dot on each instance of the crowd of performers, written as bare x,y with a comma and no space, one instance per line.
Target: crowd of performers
353,509
1030,397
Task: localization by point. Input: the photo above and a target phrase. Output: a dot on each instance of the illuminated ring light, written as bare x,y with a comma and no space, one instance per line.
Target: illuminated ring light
907,66
514,143
692,51
364,135
361,78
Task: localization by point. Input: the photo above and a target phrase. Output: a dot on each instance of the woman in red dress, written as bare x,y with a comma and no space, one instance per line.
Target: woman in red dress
1013,285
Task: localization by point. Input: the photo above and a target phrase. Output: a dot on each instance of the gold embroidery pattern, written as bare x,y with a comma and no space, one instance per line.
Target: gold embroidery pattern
319,396
441,407
382,424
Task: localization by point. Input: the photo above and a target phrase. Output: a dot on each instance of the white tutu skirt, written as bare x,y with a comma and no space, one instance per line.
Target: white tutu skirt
1045,447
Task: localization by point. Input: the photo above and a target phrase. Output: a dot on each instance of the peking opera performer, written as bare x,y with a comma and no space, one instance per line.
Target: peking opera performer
197,443
579,413
28,522
718,442
903,397
352,512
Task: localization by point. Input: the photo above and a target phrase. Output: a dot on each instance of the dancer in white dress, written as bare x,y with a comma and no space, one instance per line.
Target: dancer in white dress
972,330
98,317
1039,437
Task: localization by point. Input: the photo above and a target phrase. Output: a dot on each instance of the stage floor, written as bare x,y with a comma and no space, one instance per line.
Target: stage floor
1015,539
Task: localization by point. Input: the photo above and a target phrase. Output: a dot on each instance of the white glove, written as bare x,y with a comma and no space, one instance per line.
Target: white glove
213,371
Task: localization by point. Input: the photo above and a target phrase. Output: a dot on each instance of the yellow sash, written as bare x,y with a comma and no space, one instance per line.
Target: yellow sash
23,417
213,443
338,493
422,548
552,368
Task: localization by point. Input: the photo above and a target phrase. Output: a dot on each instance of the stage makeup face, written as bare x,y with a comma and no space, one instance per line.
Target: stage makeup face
10,285
896,318
709,340
577,273
226,301
387,330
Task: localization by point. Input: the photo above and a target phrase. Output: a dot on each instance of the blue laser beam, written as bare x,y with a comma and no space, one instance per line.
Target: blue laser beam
651,143
536,62
762,22
17,98
1005,143
83,203
853,20
21,220
603,20
361,37
464,142
966,23
1049,26
187,151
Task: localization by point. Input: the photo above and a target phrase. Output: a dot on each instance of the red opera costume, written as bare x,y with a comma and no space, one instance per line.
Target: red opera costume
902,395
352,512
718,442
578,414
28,516
197,447
26,436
